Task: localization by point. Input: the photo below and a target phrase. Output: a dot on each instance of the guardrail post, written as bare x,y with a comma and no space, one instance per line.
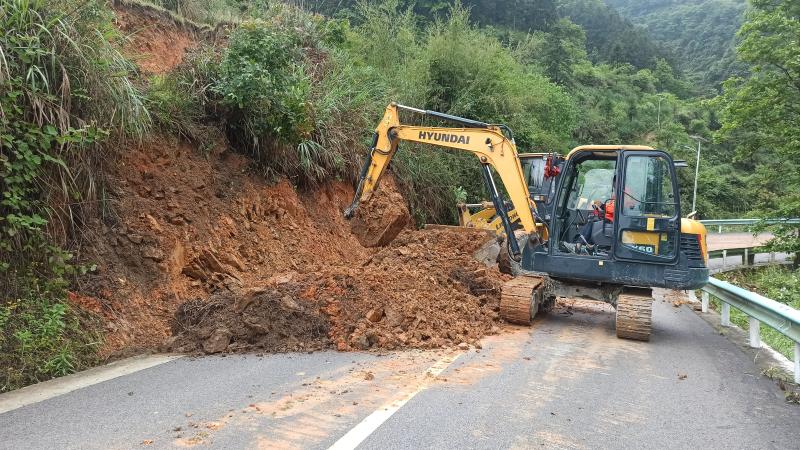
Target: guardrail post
726,315
724,258
720,229
772,257
797,362
755,332
704,302
746,258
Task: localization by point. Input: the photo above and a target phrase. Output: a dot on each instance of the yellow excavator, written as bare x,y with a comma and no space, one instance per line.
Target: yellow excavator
601,223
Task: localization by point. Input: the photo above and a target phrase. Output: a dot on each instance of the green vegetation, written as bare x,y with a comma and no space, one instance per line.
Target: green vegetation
63,91
611,38
779,284
700,34
760,113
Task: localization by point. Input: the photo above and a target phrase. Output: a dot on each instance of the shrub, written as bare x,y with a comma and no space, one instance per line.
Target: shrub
64,88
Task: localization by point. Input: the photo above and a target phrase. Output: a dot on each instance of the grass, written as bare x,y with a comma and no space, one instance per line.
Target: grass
777,283
66,97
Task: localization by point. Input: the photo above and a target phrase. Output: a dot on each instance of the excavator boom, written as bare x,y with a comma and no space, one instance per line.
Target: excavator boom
493,145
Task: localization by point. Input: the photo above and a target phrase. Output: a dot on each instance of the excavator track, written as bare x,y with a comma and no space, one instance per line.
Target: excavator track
520,299
634,316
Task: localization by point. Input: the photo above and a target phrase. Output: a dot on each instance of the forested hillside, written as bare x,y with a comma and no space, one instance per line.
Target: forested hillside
701,34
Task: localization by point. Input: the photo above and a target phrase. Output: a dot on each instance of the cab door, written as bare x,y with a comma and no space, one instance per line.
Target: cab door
646,208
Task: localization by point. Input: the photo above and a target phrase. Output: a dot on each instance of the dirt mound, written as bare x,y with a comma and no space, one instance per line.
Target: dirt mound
190,226
424,290
266,319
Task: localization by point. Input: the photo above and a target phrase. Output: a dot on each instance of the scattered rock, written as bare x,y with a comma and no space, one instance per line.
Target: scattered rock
154,253
375,315
218,341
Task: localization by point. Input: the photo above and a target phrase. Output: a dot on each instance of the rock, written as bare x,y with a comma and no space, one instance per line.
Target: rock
135,238
154,253
393,317
218,341
231,260
463,346
177,220
375,315
289,303
381,218
372,337
154,223
360,342
210,260
194,272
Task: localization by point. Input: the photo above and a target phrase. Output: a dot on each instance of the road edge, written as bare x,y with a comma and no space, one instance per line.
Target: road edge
59,386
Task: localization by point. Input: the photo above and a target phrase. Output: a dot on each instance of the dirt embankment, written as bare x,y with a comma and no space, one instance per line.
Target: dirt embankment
227,262
199,255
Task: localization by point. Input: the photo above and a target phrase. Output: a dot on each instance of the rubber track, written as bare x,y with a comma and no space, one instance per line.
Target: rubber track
634,316
516,301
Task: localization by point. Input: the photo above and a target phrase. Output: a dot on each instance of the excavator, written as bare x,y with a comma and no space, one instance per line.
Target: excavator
601,223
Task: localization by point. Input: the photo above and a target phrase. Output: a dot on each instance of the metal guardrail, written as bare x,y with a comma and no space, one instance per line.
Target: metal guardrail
721,222
748,255
749,221
758,309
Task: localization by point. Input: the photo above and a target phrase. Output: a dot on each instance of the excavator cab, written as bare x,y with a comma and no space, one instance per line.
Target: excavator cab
615,220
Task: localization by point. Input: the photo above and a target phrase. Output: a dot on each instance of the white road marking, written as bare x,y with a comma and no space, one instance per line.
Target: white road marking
60,386
366,427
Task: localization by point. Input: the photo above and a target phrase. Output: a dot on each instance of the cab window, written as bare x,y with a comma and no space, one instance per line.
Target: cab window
648,189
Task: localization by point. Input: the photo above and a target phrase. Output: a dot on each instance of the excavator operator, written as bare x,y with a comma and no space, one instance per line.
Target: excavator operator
601,211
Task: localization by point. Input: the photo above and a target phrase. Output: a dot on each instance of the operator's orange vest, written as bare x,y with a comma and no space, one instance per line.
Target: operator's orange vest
610,210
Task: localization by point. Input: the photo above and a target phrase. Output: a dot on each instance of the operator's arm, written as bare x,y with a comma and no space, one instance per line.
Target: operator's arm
487,142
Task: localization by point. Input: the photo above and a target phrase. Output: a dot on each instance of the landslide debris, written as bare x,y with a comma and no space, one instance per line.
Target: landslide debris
424,290
200,253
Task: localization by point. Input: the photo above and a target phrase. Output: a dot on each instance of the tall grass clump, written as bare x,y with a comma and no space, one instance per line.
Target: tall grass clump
64,90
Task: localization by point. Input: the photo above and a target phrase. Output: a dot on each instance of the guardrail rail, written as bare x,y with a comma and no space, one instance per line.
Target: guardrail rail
758,309
722,222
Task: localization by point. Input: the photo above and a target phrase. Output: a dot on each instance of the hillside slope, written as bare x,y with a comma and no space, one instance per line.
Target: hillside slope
701,33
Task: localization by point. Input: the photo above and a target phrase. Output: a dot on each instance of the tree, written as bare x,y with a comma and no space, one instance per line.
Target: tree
761,113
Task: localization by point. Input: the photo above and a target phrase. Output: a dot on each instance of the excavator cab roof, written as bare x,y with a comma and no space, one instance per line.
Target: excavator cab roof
591,148
608,148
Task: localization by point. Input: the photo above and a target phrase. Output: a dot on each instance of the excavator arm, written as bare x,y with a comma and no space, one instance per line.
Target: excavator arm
491,144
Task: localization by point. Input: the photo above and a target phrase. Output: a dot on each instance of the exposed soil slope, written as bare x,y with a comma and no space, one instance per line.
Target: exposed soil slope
198,254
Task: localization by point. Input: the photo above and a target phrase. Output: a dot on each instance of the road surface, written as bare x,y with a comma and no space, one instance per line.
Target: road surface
717,241
567,382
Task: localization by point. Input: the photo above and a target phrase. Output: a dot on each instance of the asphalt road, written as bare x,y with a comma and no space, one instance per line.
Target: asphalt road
567,382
